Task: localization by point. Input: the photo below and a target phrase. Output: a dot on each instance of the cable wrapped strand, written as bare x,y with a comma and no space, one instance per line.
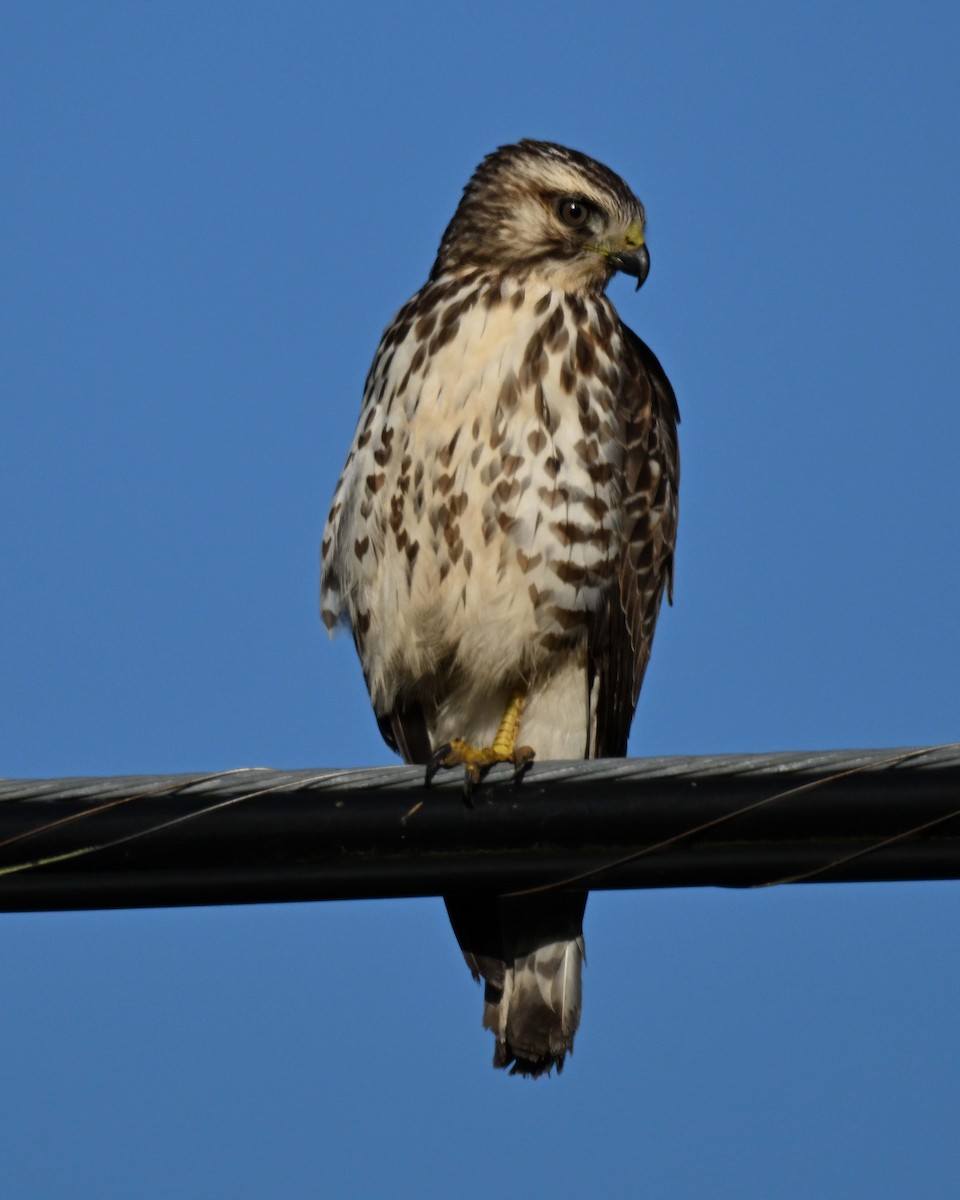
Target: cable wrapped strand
262,835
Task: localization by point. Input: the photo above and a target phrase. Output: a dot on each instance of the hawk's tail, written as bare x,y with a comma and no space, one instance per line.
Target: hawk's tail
529,952
538,1010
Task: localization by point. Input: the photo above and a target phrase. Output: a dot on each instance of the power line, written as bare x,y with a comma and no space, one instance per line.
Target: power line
263,835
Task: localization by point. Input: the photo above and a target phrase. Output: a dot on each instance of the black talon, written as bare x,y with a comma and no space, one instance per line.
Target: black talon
435,762
520,769
523,757
471,777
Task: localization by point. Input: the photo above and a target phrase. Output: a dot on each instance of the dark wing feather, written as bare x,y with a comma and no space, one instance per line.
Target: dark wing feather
404,729
621,641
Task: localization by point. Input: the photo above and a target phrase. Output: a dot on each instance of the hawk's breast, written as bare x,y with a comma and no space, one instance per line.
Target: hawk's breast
478,518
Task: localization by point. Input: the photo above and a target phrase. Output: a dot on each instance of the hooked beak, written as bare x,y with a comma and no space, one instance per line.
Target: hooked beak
633,262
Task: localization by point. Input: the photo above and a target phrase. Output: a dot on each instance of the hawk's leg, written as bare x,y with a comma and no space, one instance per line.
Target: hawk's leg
475,760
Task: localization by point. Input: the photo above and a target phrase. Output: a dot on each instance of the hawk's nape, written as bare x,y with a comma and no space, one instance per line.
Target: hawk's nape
502,534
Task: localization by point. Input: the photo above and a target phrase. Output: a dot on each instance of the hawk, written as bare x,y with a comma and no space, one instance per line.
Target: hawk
503,530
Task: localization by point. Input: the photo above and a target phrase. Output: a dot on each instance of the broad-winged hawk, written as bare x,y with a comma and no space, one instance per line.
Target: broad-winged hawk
503,530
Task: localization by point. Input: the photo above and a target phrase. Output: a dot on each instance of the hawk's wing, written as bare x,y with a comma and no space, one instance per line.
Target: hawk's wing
620,642
404,729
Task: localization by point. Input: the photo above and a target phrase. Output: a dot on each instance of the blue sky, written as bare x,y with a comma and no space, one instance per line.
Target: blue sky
209,214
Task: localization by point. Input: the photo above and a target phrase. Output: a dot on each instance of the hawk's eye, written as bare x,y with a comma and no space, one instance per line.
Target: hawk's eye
573,212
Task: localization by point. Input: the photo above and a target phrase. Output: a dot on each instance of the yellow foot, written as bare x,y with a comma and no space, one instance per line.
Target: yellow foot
475,760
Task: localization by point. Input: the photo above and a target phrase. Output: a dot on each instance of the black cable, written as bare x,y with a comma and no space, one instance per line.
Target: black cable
264,835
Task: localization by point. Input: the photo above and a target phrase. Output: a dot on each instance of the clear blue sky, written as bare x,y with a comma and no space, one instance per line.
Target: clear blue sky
209,214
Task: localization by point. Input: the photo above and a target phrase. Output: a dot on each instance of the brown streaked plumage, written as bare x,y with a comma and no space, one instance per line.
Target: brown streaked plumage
502,534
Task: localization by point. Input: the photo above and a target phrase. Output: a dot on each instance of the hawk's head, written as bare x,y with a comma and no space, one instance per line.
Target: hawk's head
536,208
